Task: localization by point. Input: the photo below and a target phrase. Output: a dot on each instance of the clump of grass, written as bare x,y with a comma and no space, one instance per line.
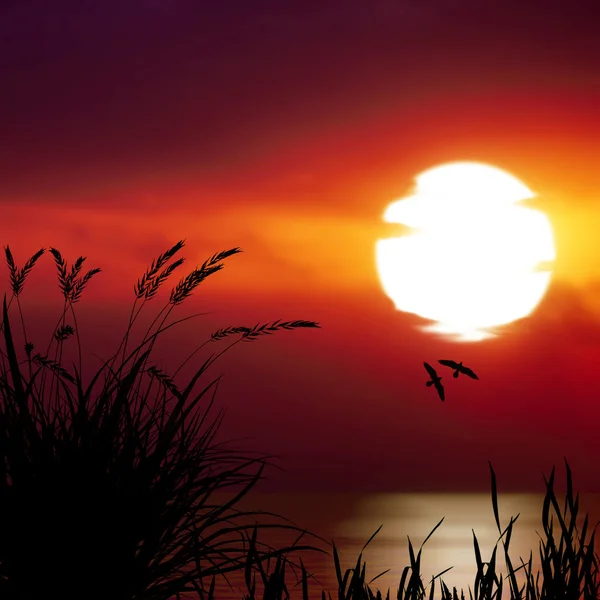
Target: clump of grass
569,565
106,490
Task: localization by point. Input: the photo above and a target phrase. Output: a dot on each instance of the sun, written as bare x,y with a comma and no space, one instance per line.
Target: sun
474,259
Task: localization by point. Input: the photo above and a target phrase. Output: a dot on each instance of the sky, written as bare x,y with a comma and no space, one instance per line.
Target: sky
286,129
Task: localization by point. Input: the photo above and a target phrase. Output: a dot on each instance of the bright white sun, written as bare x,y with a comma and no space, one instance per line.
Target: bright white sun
474,259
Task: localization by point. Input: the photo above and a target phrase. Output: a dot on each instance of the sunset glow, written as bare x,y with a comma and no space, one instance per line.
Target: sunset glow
335,143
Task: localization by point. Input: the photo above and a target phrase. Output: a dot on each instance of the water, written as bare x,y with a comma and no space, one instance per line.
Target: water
350,519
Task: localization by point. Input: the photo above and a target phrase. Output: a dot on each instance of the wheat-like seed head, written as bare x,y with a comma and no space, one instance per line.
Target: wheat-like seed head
70,285
266,329
80,284
76,267
154,284
10,260
143,284
63,332
188,284
163,378
216,258
44,361
251,333
17,278
61,265
226,331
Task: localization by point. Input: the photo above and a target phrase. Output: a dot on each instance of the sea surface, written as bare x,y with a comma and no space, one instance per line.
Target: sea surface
351,519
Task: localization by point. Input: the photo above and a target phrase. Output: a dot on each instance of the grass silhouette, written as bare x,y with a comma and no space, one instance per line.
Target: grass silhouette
569,563
106,490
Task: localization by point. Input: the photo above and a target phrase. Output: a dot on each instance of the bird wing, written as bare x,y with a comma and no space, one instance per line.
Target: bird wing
430,370
440,390
468,372
449,363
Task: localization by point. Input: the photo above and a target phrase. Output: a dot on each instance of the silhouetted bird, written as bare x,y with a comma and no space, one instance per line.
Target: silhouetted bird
458,368
435,380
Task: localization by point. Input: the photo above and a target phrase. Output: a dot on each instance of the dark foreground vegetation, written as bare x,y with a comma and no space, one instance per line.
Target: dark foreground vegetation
106,487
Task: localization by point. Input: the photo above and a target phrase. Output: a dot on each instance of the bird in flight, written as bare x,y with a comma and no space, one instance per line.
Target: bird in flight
458,368
435,380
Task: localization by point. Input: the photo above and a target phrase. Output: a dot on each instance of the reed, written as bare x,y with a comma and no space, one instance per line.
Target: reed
106,489
569,563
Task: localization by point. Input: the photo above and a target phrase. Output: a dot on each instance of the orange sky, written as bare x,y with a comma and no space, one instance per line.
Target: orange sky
287,132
